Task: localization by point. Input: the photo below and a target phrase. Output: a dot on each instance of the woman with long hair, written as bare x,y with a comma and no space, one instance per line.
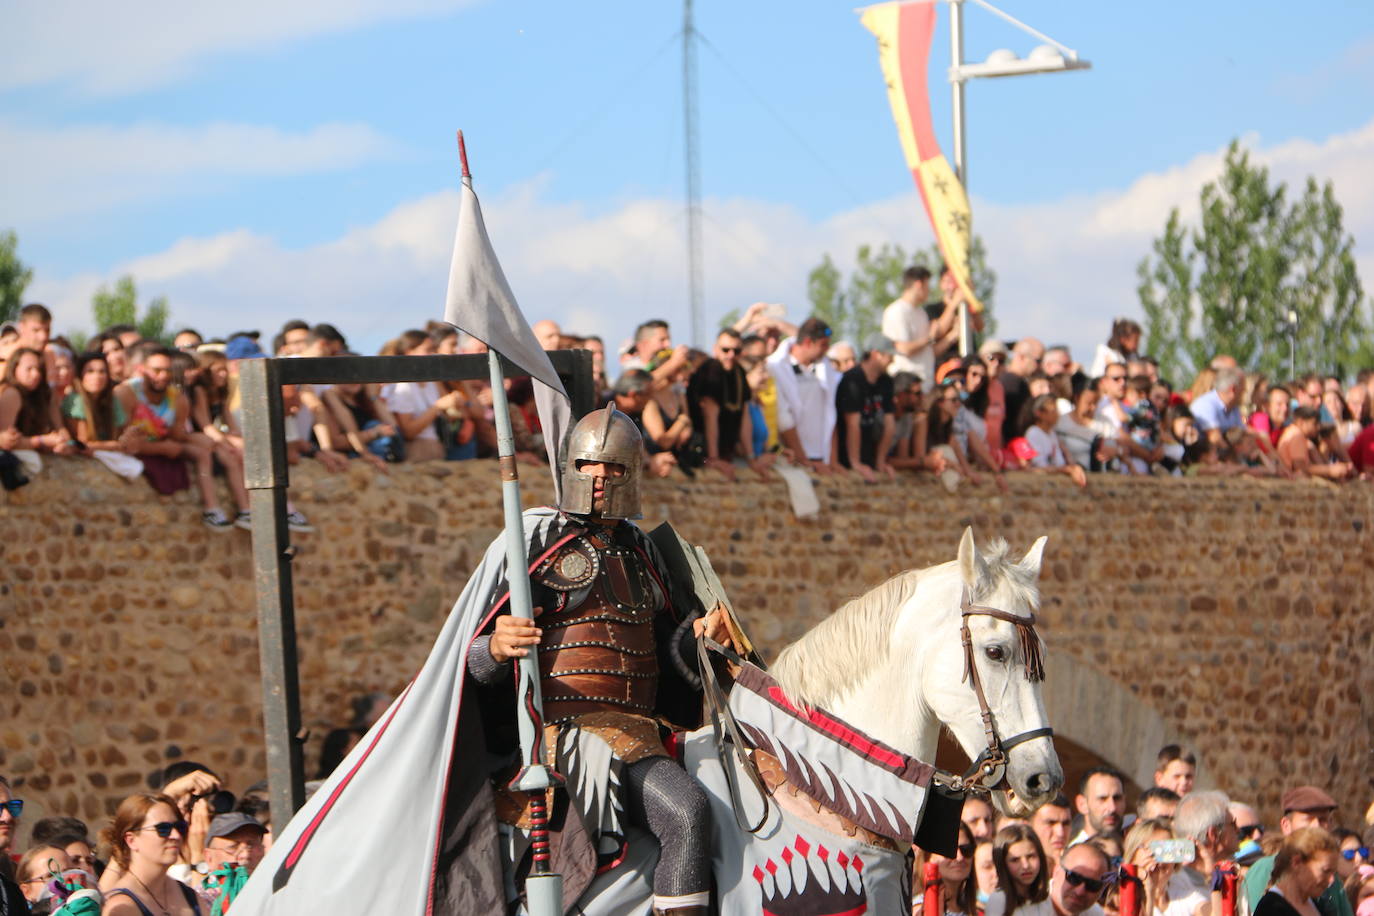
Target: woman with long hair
1270,421
30,418
145,839
217,429
367,424
1022,879
666,417
959,886
1122,346
970,423
93,415
934,446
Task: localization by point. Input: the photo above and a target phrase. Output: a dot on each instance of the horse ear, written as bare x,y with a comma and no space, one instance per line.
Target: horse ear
968,558
1031,561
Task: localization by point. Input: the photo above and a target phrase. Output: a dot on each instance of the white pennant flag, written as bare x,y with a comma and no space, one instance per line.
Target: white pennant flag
481,303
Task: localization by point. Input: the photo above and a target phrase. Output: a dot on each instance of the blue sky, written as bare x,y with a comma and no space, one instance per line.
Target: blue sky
266,161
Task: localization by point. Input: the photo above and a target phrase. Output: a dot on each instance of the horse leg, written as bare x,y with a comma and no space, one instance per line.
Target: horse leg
660,795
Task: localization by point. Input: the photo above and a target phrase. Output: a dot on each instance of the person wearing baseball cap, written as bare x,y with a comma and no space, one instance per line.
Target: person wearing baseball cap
865,411
1303,806
233,848
234,838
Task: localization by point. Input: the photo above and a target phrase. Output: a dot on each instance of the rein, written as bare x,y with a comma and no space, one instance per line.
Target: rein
989,770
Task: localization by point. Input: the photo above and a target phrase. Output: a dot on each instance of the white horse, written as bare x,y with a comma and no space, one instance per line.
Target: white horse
891,663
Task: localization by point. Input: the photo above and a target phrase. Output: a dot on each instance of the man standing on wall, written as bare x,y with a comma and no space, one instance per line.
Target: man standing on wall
718,401
806,384
910,329
864,408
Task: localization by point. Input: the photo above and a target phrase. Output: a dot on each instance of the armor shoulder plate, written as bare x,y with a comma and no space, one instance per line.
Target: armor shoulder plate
574,566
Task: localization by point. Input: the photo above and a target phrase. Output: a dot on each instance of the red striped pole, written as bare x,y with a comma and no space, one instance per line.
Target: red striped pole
1129,900
933,903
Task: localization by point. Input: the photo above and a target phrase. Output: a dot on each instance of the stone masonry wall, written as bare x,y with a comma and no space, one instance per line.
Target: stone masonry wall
1241,612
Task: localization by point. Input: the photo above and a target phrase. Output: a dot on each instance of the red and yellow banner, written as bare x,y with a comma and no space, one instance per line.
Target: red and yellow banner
904,31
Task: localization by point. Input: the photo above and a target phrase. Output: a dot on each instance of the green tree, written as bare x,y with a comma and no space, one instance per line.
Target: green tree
14,277
854,306
120,306
1232,283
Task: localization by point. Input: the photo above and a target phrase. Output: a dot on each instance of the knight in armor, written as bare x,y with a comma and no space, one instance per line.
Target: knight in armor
616,650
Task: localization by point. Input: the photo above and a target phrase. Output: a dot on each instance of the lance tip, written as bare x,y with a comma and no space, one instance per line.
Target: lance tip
463,155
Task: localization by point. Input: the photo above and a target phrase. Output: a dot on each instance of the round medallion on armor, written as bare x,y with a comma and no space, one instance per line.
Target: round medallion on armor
574,566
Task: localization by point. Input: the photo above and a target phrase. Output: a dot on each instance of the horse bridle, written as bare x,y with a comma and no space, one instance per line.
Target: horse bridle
989,769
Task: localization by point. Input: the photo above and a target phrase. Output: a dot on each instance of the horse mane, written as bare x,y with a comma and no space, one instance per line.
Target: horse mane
823,662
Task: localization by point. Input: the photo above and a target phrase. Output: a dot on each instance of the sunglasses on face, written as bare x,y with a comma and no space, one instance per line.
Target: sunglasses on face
165,828
1350,854
729,349
1250,830
1091,885
964,850
15,806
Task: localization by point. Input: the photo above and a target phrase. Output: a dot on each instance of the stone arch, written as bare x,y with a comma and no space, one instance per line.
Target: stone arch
1103,718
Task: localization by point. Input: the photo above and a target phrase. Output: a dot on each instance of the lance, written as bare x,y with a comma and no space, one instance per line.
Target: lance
543,888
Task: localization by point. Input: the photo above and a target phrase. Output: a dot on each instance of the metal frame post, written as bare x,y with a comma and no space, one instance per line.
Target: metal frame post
266,476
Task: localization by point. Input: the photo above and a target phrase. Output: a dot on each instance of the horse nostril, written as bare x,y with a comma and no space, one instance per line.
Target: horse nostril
1040,784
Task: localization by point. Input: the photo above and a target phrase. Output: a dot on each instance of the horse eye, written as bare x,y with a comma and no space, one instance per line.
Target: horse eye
996,653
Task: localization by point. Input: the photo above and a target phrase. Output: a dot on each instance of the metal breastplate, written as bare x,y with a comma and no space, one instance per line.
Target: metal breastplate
598,652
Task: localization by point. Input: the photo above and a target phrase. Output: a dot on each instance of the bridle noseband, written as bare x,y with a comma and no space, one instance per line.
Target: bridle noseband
989,770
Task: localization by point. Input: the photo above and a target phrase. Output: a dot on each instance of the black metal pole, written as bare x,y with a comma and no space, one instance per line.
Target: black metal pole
265,473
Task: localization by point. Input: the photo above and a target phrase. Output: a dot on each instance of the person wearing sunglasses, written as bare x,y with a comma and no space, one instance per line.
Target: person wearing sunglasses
145,839
1354,853
1081,876
10,809
956,875
11,900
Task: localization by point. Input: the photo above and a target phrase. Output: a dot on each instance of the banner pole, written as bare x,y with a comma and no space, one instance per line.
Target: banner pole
543,888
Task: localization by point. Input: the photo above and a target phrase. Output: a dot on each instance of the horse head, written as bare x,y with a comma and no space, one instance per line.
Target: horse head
984,610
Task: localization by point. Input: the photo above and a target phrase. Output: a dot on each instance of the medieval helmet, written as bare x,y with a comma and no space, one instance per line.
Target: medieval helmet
609,436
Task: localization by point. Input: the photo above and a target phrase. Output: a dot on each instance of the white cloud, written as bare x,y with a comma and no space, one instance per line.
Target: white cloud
54,172
1066,267
104,48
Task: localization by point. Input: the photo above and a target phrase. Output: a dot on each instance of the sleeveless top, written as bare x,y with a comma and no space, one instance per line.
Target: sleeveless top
189,894
154,419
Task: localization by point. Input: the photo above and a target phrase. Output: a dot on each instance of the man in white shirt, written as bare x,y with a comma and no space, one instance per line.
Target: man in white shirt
910,329
806,384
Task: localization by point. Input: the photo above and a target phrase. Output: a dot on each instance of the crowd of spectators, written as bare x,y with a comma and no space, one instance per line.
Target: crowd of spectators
901,401
189,844
1074,855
